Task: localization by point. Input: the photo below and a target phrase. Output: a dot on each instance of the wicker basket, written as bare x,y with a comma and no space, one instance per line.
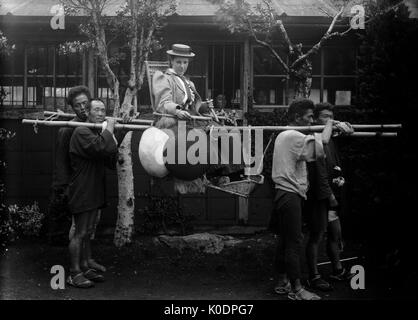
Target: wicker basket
242,188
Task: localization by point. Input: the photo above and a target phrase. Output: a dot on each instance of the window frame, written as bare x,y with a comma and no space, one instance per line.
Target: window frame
26,103
321,76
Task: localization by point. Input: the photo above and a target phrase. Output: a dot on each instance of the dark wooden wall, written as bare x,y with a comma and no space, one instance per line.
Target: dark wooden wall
28,178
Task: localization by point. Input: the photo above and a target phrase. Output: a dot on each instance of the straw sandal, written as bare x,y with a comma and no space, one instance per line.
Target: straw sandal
303,294
92,275
283,288
79,281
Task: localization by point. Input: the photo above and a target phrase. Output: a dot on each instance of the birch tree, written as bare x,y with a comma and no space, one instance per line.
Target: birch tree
136,25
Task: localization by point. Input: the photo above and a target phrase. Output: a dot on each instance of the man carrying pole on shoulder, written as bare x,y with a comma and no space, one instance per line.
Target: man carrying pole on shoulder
323,205
59,221
91,151
292,150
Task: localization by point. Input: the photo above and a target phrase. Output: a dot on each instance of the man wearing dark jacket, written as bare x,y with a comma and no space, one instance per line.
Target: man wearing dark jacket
325,180
91,151
59,218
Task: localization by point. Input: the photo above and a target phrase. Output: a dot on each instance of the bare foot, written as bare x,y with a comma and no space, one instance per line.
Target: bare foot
93,264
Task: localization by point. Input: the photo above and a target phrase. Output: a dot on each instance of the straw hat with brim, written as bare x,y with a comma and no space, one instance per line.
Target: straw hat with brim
181,50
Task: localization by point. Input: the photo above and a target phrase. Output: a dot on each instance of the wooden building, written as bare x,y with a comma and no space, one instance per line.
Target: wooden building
227,68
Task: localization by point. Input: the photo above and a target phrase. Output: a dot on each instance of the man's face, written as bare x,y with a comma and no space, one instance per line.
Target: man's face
306,119
324,116
180,65
80,106
97,112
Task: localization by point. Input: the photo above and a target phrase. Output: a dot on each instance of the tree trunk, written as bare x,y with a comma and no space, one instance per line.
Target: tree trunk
303,88
126,206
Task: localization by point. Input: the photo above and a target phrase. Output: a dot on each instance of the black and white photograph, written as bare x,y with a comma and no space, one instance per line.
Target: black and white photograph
217,157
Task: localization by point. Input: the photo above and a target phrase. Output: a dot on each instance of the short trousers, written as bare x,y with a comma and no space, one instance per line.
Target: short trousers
316,214
332,215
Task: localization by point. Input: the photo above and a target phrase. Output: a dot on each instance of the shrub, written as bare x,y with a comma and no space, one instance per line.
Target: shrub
20,222
163,214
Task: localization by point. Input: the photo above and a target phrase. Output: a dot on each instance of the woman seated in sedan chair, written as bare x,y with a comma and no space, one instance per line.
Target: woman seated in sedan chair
177,97
174,94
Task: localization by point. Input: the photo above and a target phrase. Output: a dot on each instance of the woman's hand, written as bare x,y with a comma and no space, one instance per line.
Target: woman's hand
210,103
126,118
183,115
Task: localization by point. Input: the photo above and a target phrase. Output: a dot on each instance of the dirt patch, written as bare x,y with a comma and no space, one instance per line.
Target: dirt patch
149,270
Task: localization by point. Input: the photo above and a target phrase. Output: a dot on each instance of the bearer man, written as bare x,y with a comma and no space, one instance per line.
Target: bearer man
292,150
326,181
59,219
59,216
90,152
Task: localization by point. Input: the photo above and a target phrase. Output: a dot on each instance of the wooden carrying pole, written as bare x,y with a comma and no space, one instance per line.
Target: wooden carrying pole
372,134
136,127
283,128
192,117
71,115
118,126
315,128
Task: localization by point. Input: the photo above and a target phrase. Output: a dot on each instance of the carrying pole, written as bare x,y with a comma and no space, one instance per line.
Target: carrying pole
71,115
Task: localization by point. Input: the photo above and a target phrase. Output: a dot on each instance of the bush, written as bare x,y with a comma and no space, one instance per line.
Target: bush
21,222
16,221
164,215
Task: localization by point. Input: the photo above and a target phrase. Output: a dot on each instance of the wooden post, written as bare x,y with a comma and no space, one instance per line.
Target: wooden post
246,78
243,204
321,91
54,81
84,65
90,72
25,77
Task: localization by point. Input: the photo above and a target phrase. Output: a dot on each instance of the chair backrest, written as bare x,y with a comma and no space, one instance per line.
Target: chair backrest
151,67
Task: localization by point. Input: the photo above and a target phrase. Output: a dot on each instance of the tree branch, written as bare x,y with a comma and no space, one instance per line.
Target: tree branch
268,46
324,11
328,35
285,36
111,40
146,54
100,39
270,18
134,44
334,21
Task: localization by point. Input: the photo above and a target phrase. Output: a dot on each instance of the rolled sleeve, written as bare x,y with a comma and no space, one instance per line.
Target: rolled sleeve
311,147
306,146
319,146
